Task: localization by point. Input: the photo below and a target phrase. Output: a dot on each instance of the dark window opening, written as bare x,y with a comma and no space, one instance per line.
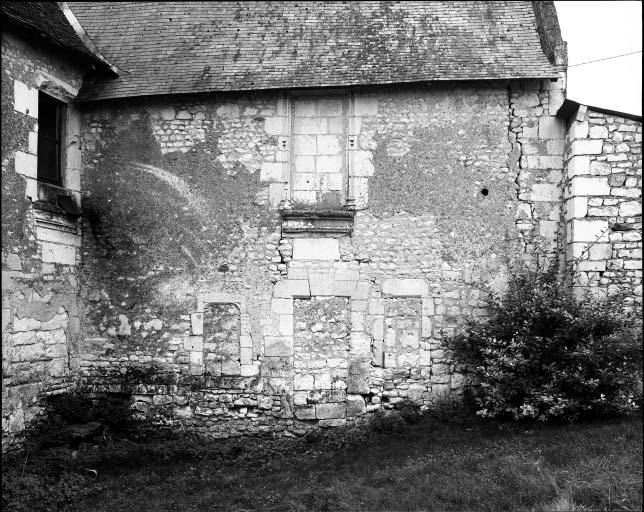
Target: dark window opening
51,114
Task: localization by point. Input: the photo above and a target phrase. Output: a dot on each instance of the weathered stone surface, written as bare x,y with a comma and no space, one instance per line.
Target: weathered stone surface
405,288
328,411
316,249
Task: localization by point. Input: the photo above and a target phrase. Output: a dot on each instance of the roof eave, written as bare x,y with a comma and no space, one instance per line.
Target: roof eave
87,97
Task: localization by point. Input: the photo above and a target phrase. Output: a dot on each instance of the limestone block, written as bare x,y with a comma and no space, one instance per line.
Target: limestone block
555,147
426,327
595,186
26,164
633,264
376,307
360,345
306,181
550,162
25,99
322,381
282,306
328,145
355,405
598,132
304,196
378,328
54,235
332,181
599,168
278,346
578,130
276,193
32,144
289,288
601,252
586,147
304,107
551,128
427,305
365,106
191,343
331,410
230,367
303,382
167,113
286,325
591,266
405,288
630,208
249,370
362,163
316,249
576,207
228,109
304,163
57,253
73,178
556,100
578,165
246,356
321,284
576,250
328,163
196,323
273,171
344,288
24,324
425,358
544,192
310,125
359,190
305,412
196,357
584,230
330,107
548,229
332,423
274,125
304,145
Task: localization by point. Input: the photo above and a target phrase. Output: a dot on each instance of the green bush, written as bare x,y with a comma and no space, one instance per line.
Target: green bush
543,355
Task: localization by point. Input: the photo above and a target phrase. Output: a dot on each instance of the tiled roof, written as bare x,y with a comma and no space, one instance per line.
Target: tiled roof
47,20
184,47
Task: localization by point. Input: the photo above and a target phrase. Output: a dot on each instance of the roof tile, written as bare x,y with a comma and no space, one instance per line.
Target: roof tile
187,47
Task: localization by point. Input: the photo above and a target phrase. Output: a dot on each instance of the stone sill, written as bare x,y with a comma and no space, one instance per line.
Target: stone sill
317,222
56,200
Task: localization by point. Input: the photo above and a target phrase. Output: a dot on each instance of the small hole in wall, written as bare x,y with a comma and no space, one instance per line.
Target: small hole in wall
485,191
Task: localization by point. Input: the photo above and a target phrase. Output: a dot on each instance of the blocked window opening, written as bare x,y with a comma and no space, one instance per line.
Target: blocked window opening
319,162
51,115
221,332
321,347
402,325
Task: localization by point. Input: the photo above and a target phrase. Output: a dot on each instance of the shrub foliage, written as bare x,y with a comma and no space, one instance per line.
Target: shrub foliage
543,355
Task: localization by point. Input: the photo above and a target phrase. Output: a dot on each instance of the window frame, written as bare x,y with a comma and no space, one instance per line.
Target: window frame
57,141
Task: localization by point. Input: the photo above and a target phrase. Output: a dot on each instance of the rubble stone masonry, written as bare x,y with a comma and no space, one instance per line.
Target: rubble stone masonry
603,191
40,249
211,319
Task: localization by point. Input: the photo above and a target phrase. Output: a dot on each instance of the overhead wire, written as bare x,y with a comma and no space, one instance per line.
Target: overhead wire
605,58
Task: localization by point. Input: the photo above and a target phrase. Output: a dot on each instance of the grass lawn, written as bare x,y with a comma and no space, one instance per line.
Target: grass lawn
428,465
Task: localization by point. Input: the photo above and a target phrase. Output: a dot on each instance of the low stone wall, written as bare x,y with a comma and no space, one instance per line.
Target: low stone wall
604,204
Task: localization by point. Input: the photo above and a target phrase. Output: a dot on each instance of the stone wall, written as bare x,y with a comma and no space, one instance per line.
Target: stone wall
40,317
200,308
603,191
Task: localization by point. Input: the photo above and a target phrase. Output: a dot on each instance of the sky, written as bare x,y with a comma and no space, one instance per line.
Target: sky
596,30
